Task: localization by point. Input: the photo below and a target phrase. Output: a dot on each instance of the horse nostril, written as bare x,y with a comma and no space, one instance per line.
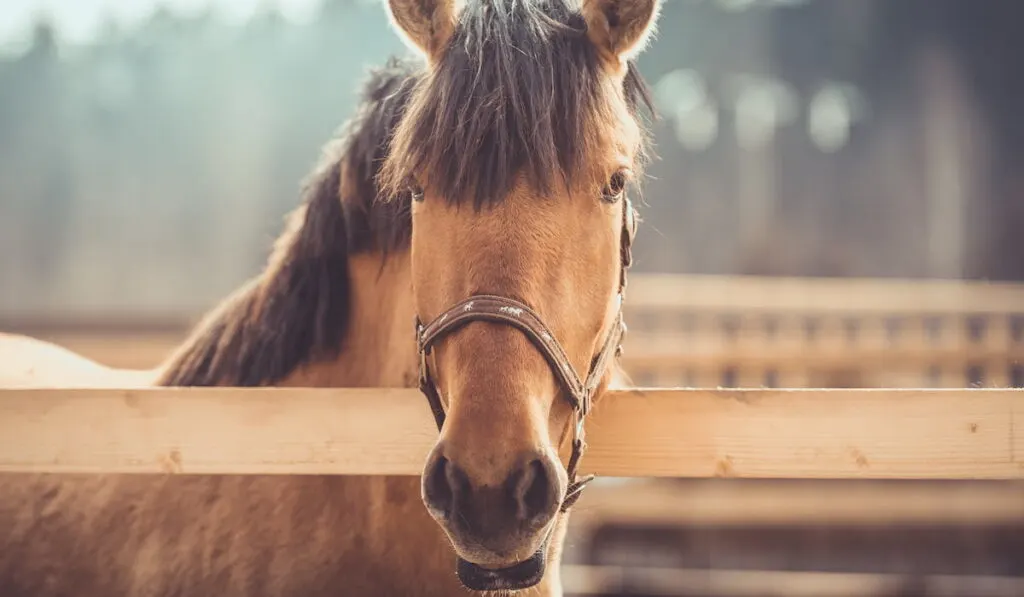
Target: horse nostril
535,492
445,486
437,492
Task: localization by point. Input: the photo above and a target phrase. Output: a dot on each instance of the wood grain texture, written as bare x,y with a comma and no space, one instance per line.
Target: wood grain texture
582,580
936,434
757,503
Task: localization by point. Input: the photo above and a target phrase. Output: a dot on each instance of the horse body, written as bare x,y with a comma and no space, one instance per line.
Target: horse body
32,363
525,108
245,535
172,535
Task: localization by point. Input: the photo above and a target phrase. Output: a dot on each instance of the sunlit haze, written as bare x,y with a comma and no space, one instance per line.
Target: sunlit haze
78,21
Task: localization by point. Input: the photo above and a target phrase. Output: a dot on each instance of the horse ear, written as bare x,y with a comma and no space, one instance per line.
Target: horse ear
620,28
424,25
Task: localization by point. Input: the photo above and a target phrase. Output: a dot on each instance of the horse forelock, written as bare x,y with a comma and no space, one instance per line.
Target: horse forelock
517,94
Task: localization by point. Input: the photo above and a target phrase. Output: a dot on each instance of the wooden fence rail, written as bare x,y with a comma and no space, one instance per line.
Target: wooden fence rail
879,296
913,434
734,331
746,331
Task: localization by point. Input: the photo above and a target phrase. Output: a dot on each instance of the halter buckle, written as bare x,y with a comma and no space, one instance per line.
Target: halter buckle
417,326
423,354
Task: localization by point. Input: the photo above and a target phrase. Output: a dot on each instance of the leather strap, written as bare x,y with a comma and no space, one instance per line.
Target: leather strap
519,315
579,392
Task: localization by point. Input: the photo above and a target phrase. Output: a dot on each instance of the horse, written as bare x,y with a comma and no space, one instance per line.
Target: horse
467,231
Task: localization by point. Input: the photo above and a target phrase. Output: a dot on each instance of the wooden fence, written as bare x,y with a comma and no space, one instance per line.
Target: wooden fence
707,331
733,435
910,434
900,473
710,331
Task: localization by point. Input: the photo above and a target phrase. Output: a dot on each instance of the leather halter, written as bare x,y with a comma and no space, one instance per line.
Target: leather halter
579,392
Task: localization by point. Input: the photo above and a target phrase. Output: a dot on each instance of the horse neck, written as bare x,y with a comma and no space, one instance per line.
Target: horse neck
387,521
379,348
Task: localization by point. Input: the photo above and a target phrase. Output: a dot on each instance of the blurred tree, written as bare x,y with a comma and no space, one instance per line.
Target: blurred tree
151,168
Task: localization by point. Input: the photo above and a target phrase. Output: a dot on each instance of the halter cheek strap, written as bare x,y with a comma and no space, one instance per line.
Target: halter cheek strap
498,309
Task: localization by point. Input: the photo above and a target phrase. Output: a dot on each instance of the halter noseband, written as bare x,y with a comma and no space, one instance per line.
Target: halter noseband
499,309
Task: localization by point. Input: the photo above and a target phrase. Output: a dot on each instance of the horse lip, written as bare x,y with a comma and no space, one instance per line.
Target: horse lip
519,576
524,575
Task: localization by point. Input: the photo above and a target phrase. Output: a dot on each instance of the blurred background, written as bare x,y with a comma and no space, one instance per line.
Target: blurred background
837,203
149,149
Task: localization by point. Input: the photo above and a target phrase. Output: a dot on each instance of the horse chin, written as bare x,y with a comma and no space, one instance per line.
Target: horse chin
517,577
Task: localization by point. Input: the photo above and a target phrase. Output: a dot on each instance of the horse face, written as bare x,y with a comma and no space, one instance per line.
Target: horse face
518,144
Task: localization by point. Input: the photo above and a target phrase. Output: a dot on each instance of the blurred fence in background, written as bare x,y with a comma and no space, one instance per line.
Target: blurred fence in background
738,331
146,171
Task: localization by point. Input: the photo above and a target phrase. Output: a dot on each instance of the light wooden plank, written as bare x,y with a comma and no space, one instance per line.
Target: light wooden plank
957,434
707,295
719,502
809,433
140,341
215,430
822,295
646,350
1016,439
613,580
650,352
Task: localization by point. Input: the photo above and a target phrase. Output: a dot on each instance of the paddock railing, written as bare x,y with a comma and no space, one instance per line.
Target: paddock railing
708,331
737,331
886,492
970,436
910,434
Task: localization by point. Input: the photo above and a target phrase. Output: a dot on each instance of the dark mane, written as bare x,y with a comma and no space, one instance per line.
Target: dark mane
516,92
297,309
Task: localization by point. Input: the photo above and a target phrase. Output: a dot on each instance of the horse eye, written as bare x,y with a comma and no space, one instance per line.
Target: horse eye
616,185
416,192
